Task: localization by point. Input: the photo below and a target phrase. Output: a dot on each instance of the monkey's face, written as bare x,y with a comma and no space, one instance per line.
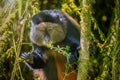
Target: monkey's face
46,32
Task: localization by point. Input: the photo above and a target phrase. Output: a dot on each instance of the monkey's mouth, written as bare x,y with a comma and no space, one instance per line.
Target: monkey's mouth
45,43
46,40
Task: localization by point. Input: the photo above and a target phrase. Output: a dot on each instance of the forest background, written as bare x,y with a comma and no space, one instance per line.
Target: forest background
100,28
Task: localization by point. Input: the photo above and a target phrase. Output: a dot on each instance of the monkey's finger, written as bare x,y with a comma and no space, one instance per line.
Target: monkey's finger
24,55
71,58
37,51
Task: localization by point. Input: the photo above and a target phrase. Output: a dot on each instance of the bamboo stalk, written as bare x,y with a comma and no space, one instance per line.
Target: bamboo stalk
115,52
84,40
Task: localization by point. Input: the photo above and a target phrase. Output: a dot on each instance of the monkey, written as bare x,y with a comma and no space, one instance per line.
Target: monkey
57,28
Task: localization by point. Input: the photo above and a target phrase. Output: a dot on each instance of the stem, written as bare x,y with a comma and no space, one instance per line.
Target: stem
85,39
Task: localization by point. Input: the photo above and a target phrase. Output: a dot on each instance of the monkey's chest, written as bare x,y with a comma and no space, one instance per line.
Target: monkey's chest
60,66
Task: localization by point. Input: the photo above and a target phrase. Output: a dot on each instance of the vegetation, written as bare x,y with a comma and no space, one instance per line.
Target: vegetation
99,18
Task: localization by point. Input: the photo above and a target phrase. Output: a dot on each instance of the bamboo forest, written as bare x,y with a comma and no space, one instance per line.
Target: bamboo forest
98,55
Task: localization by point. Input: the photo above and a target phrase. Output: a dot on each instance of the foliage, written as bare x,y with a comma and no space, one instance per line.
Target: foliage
15,24
62,50
104,57
85,39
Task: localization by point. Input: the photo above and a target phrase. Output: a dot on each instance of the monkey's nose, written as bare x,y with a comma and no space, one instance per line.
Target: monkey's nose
46,40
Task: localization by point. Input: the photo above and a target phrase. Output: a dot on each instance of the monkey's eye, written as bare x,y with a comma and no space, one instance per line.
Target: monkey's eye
49,29
42,30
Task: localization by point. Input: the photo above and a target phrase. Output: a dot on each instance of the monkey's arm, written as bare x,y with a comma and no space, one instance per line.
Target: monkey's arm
74,48
35,60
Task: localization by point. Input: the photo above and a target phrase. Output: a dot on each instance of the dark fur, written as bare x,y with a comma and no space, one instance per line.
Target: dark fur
72,39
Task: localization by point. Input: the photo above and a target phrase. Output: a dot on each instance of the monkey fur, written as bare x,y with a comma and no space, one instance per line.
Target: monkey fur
57,28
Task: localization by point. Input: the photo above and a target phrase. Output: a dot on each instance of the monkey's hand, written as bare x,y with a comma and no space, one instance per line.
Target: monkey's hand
36,59
73,56
27,56
72,59
24,55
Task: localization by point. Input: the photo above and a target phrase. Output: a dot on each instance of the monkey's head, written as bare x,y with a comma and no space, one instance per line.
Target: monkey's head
46,32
